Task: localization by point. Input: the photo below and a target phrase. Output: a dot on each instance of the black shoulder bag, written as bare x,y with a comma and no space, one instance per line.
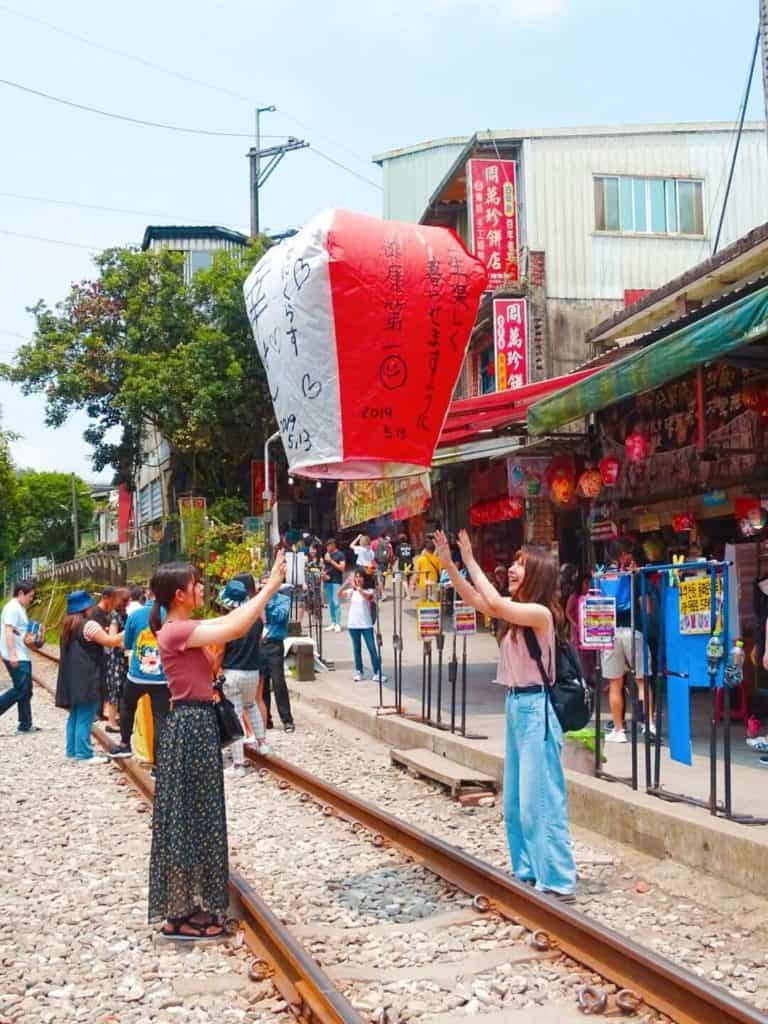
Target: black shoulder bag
568,692
230,726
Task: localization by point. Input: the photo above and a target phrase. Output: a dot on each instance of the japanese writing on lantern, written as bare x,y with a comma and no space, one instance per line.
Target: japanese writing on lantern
491,188
434,291
510,334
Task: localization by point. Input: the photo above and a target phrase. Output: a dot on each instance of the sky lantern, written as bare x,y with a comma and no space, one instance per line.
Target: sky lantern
362,326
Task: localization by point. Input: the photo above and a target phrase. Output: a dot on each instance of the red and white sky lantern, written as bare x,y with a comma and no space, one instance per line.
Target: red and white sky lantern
362,326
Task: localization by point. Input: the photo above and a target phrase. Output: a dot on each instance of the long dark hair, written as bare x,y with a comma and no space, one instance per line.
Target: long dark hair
167,580
71,624
541,583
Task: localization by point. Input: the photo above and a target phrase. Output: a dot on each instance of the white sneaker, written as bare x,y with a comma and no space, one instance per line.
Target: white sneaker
616,736
329,629
358,677
96,759
237,771
263,747
337,628
759,743
381,678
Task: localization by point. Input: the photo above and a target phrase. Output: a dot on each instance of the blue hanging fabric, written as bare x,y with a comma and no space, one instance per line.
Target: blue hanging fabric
619,587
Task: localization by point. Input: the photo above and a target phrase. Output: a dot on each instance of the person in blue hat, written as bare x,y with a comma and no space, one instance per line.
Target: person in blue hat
80,684
240,665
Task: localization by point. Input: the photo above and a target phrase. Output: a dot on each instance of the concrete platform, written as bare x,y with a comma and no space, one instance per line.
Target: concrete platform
734,852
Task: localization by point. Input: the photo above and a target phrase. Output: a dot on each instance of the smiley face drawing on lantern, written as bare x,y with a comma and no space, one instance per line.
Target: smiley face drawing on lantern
385,307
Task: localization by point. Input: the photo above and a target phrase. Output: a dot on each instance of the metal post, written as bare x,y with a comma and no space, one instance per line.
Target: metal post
647,677
75,523
712,708
463,686
764,43
453,666
633,688
726,701
267,496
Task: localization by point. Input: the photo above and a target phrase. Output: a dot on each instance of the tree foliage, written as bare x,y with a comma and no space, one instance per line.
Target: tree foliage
9,526
44,514
141,346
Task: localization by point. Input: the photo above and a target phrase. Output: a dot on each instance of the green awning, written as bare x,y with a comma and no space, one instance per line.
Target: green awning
673,356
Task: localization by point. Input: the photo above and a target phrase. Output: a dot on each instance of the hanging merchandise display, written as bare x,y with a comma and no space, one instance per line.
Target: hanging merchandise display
382,307
755,396
684,522
561,478
597,621
750,515
638,447
464,618
496,511
428,619
609,470
590,483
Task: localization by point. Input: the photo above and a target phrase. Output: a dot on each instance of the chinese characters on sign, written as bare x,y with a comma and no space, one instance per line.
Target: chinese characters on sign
510,335
696,605
491,202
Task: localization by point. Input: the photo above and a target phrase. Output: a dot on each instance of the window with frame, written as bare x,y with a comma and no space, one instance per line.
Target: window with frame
156,499
144,504
199,259
649,206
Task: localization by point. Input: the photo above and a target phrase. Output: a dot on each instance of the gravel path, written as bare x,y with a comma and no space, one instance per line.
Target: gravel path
74,942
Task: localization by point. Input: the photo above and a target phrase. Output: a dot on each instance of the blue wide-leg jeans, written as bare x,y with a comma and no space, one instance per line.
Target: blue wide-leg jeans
79,725
535,801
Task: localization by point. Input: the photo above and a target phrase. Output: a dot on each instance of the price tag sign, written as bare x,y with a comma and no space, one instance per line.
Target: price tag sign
597,622
427,619
464,619
696,605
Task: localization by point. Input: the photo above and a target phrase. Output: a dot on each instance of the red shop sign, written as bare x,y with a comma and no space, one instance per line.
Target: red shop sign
492,205
510,336
496,511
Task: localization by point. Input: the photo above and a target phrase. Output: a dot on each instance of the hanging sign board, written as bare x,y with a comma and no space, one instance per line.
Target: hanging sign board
492,211
510,337
427,619
696,605
597,622
387,308
464,619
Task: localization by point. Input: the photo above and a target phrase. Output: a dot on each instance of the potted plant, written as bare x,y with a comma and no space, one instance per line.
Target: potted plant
579,750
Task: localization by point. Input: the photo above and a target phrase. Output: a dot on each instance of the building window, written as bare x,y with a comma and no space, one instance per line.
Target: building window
156,499
199,259
144,504
657,206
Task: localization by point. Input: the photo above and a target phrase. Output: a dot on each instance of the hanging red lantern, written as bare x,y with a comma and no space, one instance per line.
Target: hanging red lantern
755,397
562,487
638,447
684,522
609,470
590,483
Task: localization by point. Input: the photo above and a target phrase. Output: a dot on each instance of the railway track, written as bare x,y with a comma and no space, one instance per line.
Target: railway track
555,937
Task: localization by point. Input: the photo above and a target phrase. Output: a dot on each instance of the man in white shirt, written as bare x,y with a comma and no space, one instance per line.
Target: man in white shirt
15,638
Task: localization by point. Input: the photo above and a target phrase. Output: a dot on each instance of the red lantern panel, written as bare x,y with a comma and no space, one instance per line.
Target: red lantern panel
638,447
590,483
496,511
609,470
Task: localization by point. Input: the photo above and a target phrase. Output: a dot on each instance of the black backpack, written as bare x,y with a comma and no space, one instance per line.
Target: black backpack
570,696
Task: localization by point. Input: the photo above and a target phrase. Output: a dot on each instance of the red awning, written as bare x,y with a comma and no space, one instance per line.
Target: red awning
473,416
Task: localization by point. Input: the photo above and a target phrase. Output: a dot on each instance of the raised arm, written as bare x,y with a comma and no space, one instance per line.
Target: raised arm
96,634
464,588
221,630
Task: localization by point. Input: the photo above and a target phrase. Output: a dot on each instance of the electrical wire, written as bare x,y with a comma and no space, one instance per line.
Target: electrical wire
349,170
174,74
124,117
193,221
51,241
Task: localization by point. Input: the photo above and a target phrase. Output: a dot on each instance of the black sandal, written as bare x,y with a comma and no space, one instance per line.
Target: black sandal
199,931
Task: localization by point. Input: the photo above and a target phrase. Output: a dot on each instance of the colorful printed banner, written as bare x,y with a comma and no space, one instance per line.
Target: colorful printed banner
357,501
464,619
510,337
597,622
696,605
427,619
491,202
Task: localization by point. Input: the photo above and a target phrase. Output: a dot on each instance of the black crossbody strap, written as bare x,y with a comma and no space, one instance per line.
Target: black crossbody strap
534,649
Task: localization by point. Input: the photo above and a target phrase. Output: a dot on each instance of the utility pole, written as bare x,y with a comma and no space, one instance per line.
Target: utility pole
75,524
273,155
764,41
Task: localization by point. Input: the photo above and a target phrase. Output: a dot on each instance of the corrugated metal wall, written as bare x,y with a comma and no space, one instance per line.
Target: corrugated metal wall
410,180
559,203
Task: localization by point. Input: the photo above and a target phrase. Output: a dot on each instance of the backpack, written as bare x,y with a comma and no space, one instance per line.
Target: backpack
382,554
569,694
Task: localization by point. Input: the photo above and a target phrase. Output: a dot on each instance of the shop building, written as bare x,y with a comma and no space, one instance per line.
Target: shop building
574,226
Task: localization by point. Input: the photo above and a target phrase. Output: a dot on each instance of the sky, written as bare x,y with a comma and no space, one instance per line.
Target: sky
353,77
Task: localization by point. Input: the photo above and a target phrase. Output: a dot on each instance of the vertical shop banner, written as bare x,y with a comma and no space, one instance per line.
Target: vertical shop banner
510,337
257,485
492,206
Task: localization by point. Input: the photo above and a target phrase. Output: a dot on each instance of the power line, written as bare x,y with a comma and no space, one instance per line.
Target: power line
124,117
172,72
344,167
108,209
51,241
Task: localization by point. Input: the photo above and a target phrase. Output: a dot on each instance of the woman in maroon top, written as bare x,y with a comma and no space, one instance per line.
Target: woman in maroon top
188,868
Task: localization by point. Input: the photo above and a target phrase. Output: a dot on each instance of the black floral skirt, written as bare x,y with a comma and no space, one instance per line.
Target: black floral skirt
188,868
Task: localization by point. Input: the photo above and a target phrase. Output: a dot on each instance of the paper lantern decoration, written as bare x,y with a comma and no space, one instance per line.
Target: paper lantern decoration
562,487
497,511
750,515
638,447
590,483
684,522
755,397
609,470
362,326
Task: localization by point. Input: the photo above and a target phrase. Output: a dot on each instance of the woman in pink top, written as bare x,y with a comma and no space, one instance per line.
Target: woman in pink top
535,802
188,868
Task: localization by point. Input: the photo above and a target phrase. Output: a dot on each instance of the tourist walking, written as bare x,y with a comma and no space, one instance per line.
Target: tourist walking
15,641
116,664
278,613
242,680
535,802
334,565
359,589
145,677
188,869
427,570
80,683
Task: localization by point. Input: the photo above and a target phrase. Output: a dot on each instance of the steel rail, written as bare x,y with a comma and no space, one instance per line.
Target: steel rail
311,995
663,985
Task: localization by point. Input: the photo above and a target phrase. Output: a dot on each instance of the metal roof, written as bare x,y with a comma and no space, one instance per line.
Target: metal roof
157,232
518,134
